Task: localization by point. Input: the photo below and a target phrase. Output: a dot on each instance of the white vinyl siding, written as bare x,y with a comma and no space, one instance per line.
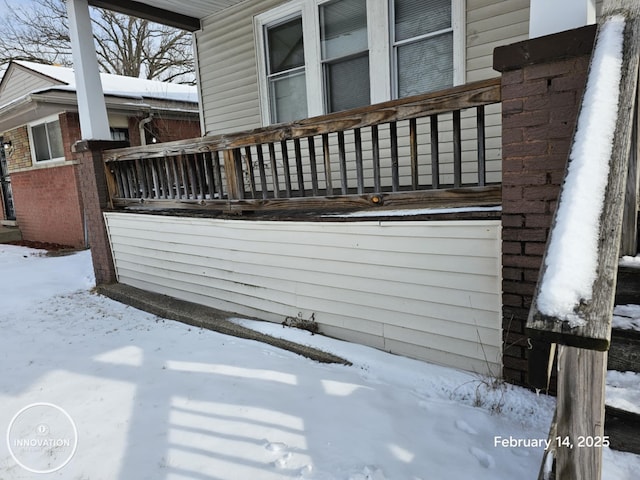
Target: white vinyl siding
228,63
491,23
227,68
20,82
428,290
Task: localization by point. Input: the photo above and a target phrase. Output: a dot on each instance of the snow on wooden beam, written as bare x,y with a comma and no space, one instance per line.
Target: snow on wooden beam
574,300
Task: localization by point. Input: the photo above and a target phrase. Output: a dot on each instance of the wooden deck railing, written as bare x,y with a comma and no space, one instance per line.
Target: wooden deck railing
429,148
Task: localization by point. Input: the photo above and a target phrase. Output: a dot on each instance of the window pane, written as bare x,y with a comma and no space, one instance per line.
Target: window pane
40,144
343,28
425,66
286,50
418,17
288,96
348,83
55,139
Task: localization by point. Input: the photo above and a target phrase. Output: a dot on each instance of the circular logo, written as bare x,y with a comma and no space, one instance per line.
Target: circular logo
42,438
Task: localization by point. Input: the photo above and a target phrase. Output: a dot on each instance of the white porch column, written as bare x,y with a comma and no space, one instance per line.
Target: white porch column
94,123
553,16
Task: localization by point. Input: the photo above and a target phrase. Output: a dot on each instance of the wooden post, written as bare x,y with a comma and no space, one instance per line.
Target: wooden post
235,188
629,244
580,413
596,332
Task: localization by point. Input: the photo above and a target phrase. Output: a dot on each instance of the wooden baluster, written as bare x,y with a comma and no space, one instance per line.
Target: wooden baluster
274,170
263,173
250,171
200,174
193,178
314,167
413,146
217,174
287,169
296,144
208,170
184,178
156,192
359,170
395,171
375,143
457,150
233,172
342,157
482,172
435,152
327,164
141,187
177,185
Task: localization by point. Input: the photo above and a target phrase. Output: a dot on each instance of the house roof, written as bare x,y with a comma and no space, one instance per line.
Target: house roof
117,85
30,91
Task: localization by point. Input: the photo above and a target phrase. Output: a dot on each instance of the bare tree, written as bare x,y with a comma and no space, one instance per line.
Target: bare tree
125,45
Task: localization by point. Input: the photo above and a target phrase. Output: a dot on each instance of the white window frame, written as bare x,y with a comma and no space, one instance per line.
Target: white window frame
32,148
379,32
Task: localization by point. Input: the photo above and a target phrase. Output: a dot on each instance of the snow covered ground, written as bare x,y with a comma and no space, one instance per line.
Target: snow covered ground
155,399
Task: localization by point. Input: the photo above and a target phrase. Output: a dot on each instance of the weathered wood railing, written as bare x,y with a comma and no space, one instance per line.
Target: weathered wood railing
583,334
429,148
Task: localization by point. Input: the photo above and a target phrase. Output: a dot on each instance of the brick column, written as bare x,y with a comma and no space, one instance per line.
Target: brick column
95,198
542,84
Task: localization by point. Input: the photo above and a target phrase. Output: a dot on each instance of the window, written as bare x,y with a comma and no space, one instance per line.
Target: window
423,46
119,134
286,72
323,56
46,141
345,54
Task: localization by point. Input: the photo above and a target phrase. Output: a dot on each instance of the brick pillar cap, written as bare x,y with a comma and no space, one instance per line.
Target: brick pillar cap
550,48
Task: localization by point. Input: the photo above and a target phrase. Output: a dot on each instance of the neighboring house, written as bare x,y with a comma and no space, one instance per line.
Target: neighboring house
39,124
427,286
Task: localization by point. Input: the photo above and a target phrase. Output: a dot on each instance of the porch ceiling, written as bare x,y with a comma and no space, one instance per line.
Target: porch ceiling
185,14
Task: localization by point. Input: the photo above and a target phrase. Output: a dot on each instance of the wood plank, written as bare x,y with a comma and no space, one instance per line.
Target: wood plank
274,171
234,185
357,138
461,97
299,173
629,244
413,148
313,166
435,152
457,150
443,198
581,386
343,164
264,190
375,143
250,171
287,168
217,174
327,164
393,134
482,175
596,331
208,168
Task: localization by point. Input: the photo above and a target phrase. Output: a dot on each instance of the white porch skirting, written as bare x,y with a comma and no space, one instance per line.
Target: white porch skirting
424,289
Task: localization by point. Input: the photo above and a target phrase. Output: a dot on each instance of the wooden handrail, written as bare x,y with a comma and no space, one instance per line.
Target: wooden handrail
474,94
582,356
363,150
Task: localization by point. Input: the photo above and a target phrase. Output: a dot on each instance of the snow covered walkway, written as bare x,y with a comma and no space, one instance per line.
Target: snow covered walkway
158,400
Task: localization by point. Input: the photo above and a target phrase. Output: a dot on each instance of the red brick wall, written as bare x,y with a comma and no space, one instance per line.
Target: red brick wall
70,128
164,129
48,207
542,84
